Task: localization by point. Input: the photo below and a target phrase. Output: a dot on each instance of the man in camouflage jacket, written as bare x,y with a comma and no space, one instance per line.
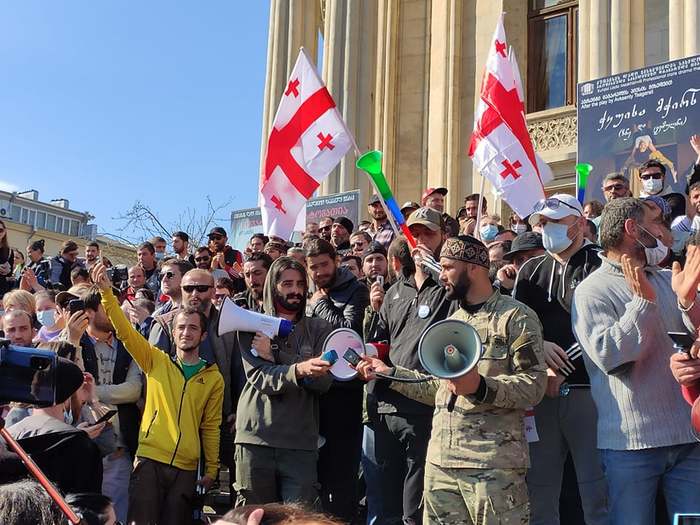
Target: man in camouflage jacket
478,454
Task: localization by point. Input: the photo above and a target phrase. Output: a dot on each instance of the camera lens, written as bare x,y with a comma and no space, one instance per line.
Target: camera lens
40,363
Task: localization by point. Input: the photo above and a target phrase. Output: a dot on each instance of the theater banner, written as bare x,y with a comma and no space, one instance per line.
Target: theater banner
245,223
626,119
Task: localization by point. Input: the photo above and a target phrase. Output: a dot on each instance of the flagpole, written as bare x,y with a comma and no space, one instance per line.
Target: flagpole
477,227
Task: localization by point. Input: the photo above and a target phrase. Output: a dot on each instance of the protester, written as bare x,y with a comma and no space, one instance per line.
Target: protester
171,273
277,421
79,275
20,300
325,227
359,242
61,265
590,231
616,186
621,315
51,320
435,198
375,264
380,230
224,257
181,247
526,246
517,224
275,250
471,204
146,255
223,288
353,263
160,246
592,209
38,266
17,327
67,455
311,228
255,272
96,504
401,425
202,258
257,242
164,475
408,208
504,235
297,253
498,250
652,175
477,455
275,514
489,228
136,281
340,299
340,235
26,502
566,417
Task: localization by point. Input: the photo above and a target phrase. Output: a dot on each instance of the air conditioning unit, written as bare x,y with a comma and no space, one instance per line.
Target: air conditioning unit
4,212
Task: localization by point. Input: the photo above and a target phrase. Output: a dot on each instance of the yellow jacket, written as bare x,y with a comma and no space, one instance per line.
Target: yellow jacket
176,412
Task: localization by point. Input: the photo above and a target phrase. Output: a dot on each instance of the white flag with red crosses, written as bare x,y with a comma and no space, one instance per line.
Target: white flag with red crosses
308,139
501,148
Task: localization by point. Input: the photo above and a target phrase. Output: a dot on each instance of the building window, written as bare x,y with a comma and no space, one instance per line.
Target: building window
25,216
552,54
59,224
66,226
32,217
51,222
41,220
15,213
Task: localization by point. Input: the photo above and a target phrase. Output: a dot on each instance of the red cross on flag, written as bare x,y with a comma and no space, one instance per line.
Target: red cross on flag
308,139
501,148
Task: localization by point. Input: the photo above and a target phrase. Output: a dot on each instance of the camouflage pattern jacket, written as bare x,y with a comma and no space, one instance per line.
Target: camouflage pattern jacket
488,432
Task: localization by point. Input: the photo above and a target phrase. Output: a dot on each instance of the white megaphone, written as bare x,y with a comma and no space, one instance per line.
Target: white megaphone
340,342
450,349
234,318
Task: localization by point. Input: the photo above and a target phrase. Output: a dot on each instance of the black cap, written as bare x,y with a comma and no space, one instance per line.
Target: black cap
374,199
69,378
374,247
345,223
523,242
182,235
217,230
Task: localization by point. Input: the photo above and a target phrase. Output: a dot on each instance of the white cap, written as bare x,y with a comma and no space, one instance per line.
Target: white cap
564,205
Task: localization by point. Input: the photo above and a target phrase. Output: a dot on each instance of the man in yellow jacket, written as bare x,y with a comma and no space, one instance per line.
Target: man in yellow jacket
182,415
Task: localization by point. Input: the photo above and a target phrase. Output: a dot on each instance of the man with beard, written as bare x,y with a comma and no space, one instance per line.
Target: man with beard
380,229
325,227
435,198
478,454
181,247
92,254
255,271
277,423
225,257
340,299
402,425
340,235
182,413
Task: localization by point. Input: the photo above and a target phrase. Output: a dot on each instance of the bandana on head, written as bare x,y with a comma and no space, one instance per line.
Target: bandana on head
467,249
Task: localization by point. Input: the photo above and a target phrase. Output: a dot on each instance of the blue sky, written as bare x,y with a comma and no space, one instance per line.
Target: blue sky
104,103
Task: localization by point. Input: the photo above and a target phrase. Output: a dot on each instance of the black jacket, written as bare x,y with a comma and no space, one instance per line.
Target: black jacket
345,305
542,287
246,300
128,413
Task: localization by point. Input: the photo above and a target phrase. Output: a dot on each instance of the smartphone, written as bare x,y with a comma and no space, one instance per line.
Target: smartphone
106,417
380,280
330,355
76,305
352,357
27,375
682,340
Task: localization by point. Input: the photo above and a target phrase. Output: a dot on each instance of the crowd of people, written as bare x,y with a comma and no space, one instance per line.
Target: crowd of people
577,411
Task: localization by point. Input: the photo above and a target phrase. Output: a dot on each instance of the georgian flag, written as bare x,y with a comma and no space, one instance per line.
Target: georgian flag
308,139
501,148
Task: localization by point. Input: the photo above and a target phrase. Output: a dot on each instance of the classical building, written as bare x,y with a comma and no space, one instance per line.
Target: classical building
28,219
406,74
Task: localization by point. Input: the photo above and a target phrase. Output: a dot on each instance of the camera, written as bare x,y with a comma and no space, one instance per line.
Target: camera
27,375
118,274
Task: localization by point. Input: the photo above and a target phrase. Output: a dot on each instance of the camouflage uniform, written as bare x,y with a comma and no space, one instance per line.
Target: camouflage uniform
478,454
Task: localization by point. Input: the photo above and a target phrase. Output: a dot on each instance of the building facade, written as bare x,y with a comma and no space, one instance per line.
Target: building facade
406,74
28,219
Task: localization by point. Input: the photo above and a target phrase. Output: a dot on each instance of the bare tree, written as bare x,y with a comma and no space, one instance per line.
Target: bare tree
143,222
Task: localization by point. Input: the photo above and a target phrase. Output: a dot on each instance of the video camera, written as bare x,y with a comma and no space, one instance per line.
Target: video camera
118,274
27,375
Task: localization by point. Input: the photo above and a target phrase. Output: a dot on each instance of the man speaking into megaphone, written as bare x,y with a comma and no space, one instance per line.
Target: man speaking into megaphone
480,445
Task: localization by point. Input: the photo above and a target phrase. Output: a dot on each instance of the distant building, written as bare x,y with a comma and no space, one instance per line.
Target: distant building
28,219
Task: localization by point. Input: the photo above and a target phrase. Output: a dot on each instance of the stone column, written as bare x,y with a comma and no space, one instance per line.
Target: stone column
444,124
293,24
675,29
598,46
637,45
691,22
584,10
619,36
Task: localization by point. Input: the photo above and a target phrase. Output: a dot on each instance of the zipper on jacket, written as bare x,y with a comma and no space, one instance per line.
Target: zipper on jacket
150,425
179,413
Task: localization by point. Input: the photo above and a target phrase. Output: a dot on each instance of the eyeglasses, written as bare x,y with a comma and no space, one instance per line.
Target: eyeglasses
616,187
553,204
206,258
167,275
655,175
215,237
201,288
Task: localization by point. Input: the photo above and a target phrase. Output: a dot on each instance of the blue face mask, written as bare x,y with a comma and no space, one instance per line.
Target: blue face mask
555,237
160,256
47,318
488,232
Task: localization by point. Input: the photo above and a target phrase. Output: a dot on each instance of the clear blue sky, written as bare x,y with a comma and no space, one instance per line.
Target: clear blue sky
104,103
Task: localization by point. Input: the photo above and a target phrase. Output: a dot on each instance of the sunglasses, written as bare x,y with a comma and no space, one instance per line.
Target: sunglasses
616,187
201,288
202,259
553,204
215,237
655,175
167,275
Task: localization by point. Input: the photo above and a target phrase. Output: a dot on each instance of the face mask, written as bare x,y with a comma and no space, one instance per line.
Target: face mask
47,317
518,228
160,256
555,238
488,232
652,186
656,253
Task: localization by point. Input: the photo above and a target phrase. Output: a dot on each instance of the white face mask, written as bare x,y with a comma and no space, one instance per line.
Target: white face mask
488,232
519,228
652,186
657,253
47,318
555,238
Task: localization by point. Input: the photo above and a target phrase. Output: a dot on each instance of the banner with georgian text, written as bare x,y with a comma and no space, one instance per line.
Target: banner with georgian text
650,113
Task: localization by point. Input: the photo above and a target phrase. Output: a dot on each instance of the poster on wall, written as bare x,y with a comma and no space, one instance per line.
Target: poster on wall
244,223
627,119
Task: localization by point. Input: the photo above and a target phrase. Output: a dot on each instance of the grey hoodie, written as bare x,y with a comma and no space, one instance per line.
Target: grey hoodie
275,409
